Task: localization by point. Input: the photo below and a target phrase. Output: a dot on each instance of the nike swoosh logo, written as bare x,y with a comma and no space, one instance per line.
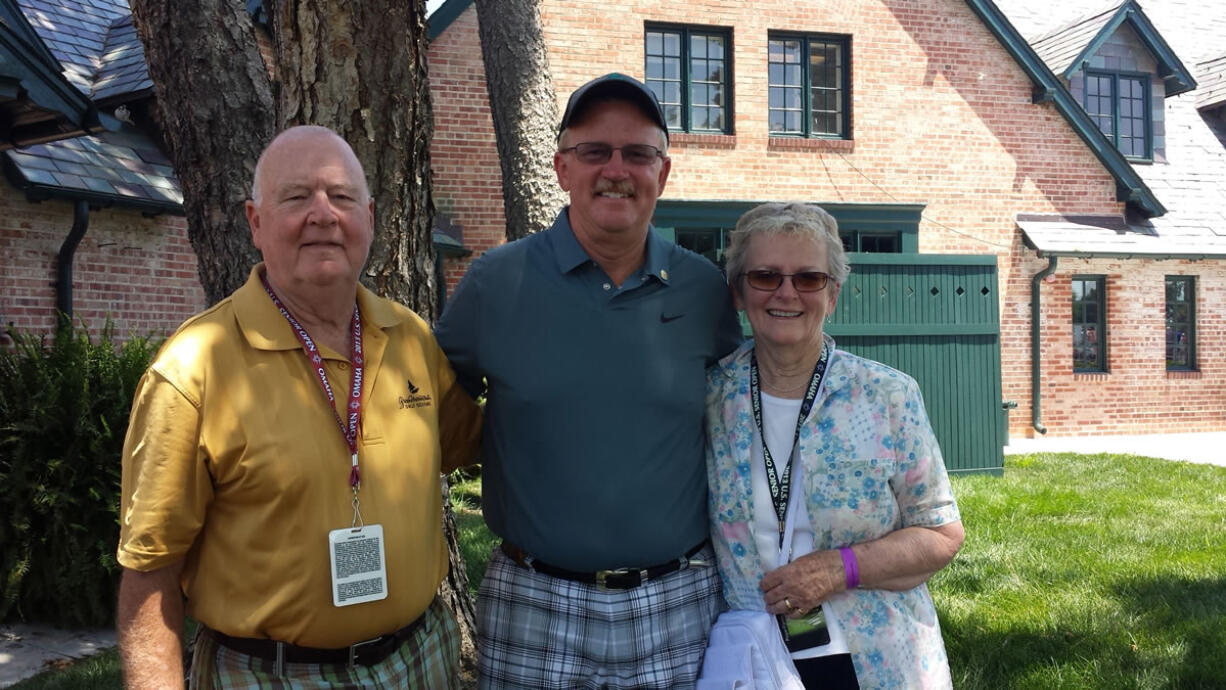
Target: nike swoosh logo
664,318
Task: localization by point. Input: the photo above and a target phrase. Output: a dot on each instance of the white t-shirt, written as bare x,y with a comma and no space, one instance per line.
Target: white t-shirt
779,423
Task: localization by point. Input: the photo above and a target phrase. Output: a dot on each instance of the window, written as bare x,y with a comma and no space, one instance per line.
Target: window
1089,324
1119,104
1180,323
708,242
809,86
688,70
871,242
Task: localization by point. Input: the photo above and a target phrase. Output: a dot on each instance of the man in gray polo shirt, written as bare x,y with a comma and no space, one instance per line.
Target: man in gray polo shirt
590,341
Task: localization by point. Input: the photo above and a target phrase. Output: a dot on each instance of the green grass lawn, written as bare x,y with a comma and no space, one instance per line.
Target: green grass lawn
1088,572
1078,572
475,539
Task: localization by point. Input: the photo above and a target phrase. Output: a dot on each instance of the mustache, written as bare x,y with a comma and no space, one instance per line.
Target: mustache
615,186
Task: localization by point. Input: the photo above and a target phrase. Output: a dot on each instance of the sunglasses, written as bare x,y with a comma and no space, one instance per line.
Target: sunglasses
769,281
599,153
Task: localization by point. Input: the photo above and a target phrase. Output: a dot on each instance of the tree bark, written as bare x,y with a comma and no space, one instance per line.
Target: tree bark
524,109
216,110
359,68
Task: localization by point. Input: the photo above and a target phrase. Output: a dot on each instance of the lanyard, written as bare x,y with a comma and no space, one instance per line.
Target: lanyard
350,430
780,488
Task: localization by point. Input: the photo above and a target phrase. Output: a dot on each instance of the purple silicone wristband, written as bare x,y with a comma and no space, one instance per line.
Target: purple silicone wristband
851,569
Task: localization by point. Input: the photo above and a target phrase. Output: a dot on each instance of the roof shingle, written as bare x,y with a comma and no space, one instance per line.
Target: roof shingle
1211,74
1191,181
96,43
124,164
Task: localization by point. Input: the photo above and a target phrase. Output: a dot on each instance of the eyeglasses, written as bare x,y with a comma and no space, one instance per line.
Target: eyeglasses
599,153
769,281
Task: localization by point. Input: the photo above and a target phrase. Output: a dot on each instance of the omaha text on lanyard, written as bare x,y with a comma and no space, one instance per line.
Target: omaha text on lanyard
350,430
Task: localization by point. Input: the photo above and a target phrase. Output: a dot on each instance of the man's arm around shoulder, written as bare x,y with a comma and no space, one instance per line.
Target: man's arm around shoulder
149,623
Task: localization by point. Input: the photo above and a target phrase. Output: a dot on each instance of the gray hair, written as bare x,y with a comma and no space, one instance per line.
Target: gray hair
787,218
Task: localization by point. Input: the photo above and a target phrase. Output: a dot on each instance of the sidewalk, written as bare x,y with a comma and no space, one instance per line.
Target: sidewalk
26,650
1208,448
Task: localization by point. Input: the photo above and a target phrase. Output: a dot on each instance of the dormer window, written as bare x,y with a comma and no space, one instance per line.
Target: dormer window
1119,103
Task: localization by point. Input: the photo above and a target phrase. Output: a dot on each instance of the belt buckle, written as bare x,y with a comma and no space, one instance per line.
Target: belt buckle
602,577
353,648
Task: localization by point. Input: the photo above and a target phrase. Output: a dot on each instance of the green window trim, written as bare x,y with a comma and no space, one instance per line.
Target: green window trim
809,85
704,225
689,68
1089,317
1115,112
1180,323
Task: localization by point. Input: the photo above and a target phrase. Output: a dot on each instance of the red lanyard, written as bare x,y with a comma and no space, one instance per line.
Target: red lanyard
349,431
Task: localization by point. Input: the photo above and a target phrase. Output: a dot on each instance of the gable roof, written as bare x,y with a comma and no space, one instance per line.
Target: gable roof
1130,188
82,49
95,42
1190,177
444,15
1212,92
1068,49
37,103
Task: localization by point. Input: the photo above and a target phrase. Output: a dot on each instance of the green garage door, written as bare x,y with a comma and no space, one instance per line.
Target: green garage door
936,317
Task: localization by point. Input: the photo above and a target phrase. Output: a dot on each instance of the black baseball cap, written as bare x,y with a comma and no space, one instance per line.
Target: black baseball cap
614,86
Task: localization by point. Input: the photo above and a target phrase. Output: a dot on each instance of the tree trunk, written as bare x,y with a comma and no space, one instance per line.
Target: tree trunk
359,68
216,112
524,109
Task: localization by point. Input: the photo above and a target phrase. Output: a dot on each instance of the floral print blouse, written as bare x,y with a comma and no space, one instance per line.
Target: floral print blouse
869,465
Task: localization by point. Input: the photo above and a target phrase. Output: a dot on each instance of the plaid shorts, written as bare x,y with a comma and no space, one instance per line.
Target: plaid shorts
430,659
538,631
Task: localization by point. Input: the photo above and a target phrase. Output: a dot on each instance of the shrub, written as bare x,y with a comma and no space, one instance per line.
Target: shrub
64,404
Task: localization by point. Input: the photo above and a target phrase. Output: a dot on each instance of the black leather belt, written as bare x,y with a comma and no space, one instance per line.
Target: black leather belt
366,653
618,578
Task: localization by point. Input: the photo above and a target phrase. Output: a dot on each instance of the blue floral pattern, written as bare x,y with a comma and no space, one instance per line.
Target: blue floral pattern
869,465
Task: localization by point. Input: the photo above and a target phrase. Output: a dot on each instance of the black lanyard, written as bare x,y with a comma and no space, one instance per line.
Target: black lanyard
781,488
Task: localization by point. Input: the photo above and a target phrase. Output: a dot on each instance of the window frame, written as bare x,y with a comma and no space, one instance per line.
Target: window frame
686,31
1190,281
1147,103
1100,323
806,39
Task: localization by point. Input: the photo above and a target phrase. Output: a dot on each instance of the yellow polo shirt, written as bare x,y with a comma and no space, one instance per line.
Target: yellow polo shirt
233,461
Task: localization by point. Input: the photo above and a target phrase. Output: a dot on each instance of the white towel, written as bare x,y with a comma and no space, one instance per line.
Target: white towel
746,652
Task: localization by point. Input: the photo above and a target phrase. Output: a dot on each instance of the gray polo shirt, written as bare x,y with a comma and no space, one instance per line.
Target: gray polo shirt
593,443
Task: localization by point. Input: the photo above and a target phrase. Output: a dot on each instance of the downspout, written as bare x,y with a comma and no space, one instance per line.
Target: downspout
440,284
1036,406
63,263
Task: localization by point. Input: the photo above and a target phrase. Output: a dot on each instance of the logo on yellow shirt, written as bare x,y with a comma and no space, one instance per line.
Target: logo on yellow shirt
414,399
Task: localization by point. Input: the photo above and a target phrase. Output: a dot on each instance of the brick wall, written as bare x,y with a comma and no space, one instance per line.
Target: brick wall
140,272
1136,392
942,115
464,157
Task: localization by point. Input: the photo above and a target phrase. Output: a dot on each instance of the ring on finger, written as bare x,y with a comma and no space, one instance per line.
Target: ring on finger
788,603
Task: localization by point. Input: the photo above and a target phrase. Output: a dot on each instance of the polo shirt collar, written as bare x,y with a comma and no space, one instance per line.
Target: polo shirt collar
266,329
569,254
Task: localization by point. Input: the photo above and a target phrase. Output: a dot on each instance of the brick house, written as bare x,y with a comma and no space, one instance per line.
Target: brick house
1079,144
938,127
90,211
92,219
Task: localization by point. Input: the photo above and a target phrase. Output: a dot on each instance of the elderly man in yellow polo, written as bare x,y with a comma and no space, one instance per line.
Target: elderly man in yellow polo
276,487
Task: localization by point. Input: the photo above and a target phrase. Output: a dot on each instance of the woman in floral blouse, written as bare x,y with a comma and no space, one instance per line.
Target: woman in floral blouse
839,519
